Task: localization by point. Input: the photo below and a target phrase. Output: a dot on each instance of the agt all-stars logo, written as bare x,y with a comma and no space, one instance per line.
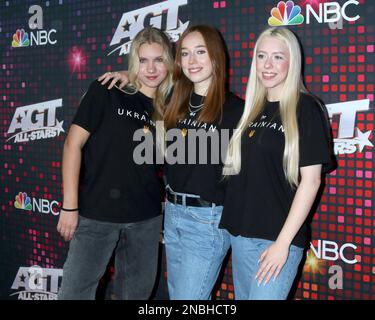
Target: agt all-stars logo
38,37
35,122
163,15
287,13
36,283
349,137
24,202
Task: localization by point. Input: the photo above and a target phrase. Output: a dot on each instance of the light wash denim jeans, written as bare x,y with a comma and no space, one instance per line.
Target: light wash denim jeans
91,248
195,249
245,255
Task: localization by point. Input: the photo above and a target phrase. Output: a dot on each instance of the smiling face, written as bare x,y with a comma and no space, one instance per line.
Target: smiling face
196,63
152,68
272,65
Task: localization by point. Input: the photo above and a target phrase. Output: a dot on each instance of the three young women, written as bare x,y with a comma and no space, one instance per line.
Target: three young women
274,166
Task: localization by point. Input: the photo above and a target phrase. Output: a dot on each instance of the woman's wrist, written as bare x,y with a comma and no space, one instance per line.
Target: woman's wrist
69,209
284,242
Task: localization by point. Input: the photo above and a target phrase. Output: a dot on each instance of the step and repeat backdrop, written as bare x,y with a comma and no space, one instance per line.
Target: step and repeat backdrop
52,50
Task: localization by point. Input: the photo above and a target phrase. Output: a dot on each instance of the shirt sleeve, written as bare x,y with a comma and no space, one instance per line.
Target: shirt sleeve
91,108
315,138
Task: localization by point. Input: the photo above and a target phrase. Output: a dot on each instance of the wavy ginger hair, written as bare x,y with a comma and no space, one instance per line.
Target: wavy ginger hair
214,100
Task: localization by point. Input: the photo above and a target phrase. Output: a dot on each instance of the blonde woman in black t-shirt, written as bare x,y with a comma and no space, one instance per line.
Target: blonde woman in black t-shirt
116,206
274,166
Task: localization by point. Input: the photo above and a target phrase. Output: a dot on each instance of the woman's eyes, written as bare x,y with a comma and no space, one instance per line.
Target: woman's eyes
185,54
276,58
142,60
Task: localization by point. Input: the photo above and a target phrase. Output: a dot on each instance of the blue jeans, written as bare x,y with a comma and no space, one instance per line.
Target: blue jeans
136,246
195,249
245,255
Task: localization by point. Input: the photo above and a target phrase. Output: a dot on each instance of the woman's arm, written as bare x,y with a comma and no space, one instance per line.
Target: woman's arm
72,155
274,257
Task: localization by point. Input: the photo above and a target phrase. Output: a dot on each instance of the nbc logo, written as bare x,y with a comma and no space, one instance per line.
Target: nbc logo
23,201
38,36
285,14
20,39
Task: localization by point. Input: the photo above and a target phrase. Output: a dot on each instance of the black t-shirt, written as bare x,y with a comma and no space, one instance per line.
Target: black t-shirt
113,187
205,180
258,199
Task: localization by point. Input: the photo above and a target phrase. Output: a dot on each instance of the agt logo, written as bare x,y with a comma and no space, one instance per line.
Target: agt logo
23,202
163,15
39,37
287,13
35,122
349,137
36,283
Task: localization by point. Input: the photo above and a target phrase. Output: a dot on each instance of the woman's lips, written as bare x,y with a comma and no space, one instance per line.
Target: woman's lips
151,78
194,70
269,75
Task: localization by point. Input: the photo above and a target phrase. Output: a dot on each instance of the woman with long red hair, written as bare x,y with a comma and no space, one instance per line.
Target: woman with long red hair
195,246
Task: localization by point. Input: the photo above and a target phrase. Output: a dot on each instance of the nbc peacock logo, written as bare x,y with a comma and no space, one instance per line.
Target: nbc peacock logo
285,14
20,39
23,201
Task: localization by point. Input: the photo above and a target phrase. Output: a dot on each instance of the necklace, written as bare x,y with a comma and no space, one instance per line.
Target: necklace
194,109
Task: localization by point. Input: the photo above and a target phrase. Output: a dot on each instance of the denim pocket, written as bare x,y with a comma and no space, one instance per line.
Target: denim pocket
170,213
207,215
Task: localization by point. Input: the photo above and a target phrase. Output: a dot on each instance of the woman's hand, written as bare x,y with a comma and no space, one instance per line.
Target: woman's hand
67,225
121,76
271,262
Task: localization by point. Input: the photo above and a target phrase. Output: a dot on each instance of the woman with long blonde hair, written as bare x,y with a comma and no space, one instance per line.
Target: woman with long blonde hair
274,164
116,205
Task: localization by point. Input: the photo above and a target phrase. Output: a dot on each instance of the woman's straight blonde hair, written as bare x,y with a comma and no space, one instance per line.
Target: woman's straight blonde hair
256,95
151,35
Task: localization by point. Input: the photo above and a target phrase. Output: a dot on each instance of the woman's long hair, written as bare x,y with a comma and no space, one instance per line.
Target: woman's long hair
213,102
151,35
256,95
